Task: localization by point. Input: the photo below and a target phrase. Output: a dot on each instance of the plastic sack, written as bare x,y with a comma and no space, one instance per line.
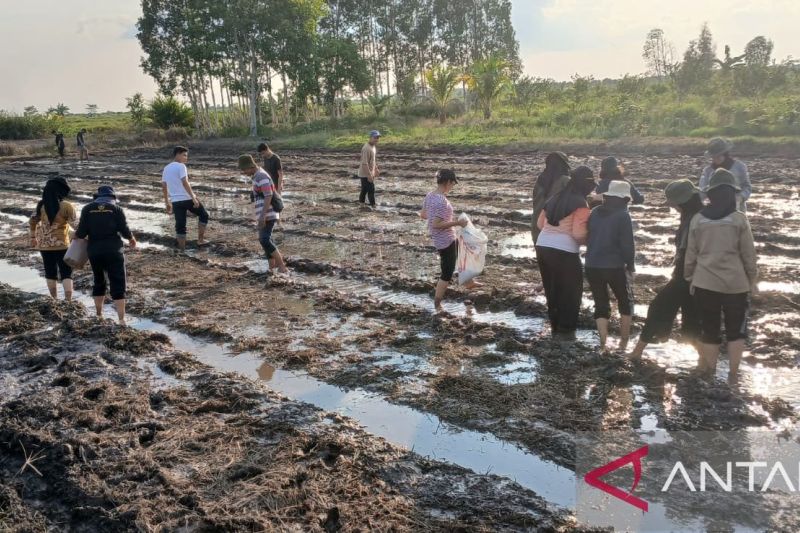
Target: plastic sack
471,251
77,254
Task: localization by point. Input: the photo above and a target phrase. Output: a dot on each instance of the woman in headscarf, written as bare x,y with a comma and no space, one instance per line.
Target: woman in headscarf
684,197
563,225
722,272
551,181
719,151
50,226
103,222
612,170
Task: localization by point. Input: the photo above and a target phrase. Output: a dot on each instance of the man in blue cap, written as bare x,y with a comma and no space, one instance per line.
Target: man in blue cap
368,170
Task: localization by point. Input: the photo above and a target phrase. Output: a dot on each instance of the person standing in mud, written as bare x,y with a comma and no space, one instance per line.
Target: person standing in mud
60,145
610,252
271,163
552,180
83,151
266,216
563,223
684,197
50,226
368,169
719,150
722,272
103,223
180,199
612,170
438,212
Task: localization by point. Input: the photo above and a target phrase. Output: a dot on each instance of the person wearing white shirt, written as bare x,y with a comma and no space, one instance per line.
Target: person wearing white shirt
180,199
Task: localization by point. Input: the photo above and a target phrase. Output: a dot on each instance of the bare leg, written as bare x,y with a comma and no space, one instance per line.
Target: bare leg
602,329
441,289
473,284
708,358
276,259
181,243
52,286
638,350
735,350
67,283
98,305
201,234
119,305
624,331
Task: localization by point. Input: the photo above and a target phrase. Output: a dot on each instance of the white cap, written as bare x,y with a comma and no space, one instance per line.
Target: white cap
620,189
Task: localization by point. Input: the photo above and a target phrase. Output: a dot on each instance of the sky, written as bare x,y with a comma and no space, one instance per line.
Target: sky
85,51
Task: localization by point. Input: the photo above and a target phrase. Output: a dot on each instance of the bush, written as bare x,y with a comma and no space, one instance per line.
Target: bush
175,134
13,127
167,112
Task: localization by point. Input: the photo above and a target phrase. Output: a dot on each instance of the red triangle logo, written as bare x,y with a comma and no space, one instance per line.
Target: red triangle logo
635,458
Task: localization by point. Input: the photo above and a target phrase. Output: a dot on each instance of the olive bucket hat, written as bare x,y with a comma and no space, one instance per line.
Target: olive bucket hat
246,162
679,192
718,146
722,177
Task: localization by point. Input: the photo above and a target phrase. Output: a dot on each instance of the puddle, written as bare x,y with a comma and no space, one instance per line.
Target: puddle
519,245
423,433
791,287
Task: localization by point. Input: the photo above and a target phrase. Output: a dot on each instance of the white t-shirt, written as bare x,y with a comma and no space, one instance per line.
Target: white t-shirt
172,176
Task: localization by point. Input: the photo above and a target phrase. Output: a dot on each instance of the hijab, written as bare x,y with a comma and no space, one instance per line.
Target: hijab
568,200
727,164
722,202
687,210
556,165
55,190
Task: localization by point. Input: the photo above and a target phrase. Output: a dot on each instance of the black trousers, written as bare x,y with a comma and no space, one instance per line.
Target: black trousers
671,298
367,189
447,261
600,280
713,306
54,265
113,265
180,209
562,277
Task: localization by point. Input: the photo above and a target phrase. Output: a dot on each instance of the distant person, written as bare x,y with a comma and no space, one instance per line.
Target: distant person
83,150
60,145
50,226
266,216
103,223
180,199
684,197
721,269
368,170
612,170
610,253
438,212
552,180
563,224
719,150
272,164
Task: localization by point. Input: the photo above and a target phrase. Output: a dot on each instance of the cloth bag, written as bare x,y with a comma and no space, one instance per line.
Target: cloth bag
77,254
472,244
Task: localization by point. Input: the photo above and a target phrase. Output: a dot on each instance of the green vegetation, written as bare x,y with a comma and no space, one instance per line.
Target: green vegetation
167,112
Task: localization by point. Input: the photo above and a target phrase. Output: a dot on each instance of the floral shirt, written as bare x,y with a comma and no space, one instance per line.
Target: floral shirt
55,235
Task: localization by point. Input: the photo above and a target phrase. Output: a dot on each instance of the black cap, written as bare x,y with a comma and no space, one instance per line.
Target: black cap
446,175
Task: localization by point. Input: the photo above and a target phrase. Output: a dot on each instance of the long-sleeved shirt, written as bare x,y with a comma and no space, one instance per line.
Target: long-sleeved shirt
721,254
636,197
568,235
103,224
53,235
739,170
367,167
610,243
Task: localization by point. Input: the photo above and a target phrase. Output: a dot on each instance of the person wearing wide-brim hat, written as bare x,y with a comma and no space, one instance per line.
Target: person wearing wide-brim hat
719,151
722,272
266,216
674,297
103,223
610,252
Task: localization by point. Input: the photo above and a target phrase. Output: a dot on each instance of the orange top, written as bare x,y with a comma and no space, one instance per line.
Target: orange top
570,233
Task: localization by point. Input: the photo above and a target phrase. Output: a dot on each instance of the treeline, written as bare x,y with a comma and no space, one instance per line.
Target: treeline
280,61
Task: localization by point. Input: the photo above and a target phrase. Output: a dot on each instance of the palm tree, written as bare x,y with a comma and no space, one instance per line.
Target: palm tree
489,77
442,82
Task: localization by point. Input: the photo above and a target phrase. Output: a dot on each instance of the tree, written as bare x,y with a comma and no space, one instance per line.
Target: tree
527,91
136,107
91,109
488,78
60,110
442,82
30,111
729,62
698,62
168,112
378,103
659,54
758,52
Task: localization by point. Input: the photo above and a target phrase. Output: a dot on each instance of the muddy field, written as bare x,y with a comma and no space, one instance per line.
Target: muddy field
236,399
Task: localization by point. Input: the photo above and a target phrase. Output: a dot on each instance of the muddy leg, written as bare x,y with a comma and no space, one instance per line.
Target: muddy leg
67,283
52,286
624,331
735,350
201,234
181,243
638,350
708,359
602,329
98,305
276,261
441,289
119,305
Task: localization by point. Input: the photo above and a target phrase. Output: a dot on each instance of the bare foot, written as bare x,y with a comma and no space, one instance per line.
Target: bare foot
623,344
733,379
203,243
121,322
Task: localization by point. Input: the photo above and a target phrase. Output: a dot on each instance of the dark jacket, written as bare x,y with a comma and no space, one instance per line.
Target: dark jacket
637,197
610,242
103,224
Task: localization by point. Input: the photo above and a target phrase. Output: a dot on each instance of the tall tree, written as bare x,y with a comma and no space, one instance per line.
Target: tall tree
659,54
758,52
488,78
442,81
